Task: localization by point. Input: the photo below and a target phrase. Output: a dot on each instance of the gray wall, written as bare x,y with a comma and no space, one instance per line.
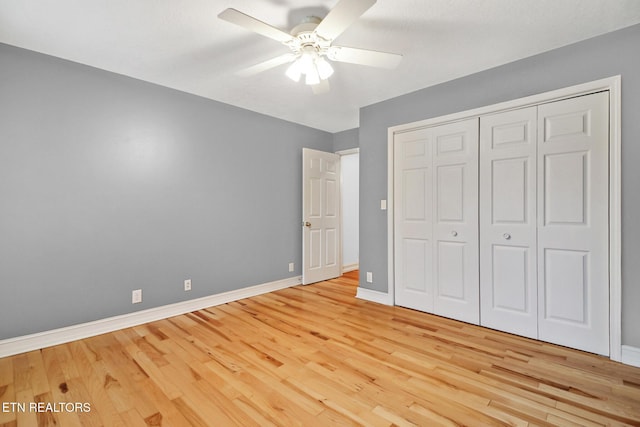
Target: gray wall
345,140
109,184
608,55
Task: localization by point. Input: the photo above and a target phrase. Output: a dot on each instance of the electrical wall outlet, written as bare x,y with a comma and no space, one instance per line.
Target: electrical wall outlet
383,205
369,277
187,285
136,296
291,267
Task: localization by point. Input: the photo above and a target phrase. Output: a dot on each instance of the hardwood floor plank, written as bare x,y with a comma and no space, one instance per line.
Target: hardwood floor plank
132,418
256,415
49,418
221,401
6,371
7,397
38,381
199,403
392,417
26,418
153,372
22,373
170,415
7,390
190,414
434,419
271,402
337,401
125,382
316,355
58,386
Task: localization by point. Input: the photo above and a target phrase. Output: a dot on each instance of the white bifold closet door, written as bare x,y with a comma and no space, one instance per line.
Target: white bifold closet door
508,225
516,237
413,212
436,220
573,222
544,222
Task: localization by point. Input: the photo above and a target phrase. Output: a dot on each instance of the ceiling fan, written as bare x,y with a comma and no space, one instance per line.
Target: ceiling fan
311,44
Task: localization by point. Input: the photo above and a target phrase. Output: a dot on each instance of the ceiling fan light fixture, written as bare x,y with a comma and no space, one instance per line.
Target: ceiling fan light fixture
294,71
306,62
313,67
325,70
313,78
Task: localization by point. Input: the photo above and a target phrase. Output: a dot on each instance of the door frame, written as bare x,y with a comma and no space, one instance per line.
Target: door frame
341,153
611,84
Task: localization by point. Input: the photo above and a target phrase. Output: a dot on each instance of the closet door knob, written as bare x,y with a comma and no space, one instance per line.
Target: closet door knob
454,233
507,236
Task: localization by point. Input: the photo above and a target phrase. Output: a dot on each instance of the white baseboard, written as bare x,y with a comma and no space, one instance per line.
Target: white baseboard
631,355
375,296
53,337
350,267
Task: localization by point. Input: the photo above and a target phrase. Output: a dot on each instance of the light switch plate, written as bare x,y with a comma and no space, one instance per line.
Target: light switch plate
383,205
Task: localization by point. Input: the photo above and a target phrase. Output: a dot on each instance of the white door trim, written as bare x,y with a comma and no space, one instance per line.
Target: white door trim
613,85
348,151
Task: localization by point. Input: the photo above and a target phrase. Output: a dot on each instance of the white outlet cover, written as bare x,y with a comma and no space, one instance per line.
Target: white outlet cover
383,205
187,285
369,277
136,296
291,266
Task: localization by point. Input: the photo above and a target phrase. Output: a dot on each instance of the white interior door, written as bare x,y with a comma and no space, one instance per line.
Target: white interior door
321,259
573,182
436,221
508,273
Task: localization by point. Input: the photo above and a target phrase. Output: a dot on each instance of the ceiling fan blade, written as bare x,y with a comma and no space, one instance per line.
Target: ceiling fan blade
266,65
371,58
341,16
250,23
320,88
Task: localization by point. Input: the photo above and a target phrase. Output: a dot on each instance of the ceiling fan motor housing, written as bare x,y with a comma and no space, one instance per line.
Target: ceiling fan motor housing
305,38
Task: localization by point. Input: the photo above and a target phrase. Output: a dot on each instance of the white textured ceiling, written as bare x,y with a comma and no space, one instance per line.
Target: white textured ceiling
183,45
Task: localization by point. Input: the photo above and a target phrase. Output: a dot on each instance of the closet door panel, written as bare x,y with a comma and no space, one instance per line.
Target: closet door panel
455,226
508,273
511,283
413,220
573,141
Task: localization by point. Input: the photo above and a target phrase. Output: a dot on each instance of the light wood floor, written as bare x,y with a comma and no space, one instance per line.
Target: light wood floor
316,355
